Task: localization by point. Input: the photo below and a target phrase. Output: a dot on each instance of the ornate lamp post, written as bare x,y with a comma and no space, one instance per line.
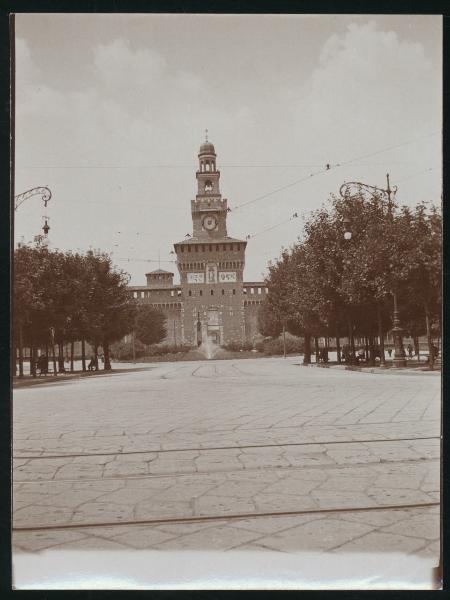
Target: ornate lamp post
37,191
376,192
46,195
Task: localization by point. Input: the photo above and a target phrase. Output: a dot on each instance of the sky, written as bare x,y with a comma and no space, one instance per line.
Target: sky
111,111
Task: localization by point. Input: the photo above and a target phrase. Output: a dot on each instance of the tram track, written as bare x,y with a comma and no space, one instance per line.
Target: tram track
228,517
208,473
215,448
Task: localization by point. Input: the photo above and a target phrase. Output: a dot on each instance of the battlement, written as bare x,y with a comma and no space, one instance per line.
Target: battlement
214,202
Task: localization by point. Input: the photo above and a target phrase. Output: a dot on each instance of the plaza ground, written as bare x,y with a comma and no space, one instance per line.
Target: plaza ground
288,466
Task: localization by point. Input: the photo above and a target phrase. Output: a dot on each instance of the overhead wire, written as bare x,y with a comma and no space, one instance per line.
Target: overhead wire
329,167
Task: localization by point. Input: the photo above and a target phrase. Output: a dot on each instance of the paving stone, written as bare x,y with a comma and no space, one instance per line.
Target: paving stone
220,537
378,542
255,402
34,541
422,526
319,534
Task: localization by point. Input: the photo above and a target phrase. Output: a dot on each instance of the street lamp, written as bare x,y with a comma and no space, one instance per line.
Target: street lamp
44,192
346,193
46,195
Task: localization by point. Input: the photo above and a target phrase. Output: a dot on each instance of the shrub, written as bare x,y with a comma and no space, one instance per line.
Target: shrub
238,347
247,346
162,349
275,346
233,347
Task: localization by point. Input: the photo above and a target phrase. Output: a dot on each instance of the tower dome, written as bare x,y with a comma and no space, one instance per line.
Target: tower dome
207,148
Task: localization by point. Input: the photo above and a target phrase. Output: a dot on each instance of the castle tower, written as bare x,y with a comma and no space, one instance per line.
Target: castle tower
211,264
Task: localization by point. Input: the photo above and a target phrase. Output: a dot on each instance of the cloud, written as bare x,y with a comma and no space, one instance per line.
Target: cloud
369,84
119,66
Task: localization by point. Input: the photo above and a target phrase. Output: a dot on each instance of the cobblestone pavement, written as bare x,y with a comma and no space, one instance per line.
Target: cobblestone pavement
230,455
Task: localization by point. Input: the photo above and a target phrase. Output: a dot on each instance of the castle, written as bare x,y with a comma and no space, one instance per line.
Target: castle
212,302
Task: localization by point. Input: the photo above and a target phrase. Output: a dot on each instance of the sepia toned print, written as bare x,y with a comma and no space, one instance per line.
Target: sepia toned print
227,302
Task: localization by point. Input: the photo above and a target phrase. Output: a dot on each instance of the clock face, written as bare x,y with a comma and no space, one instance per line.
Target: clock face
210,222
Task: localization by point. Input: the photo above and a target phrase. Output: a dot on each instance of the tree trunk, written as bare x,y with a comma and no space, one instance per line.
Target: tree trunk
20,350
106,355
96,356
381,336
316,348
307,353
416,347
61,366
32,360
71,355
351,340
83,354
284,341
371,350
338,345
55,370
429,338
14,358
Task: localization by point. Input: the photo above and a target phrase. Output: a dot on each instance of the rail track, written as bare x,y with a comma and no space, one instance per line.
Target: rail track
234,447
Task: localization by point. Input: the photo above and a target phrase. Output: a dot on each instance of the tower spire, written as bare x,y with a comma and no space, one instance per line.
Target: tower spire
206,135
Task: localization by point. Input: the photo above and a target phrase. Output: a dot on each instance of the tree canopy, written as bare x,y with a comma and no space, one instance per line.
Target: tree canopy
150,325
327,285
62,296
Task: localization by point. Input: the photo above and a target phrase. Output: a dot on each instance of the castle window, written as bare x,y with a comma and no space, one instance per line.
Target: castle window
267,290
172,293
223,292
231,247
190,293
238,247
210,248
212,292
224,247
217,247
259,290
234,292
252,290
201,292
245,290
179,293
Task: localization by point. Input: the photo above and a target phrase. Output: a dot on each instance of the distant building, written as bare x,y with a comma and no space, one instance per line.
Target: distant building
212,301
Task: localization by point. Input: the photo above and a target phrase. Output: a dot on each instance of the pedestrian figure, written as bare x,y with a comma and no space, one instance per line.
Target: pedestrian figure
390,352
102,358
42,364
324,353
91,365
410,350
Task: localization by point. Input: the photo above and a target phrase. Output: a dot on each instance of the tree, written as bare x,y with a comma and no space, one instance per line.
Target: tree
327,285
110,309
69,295
269,322
150,325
